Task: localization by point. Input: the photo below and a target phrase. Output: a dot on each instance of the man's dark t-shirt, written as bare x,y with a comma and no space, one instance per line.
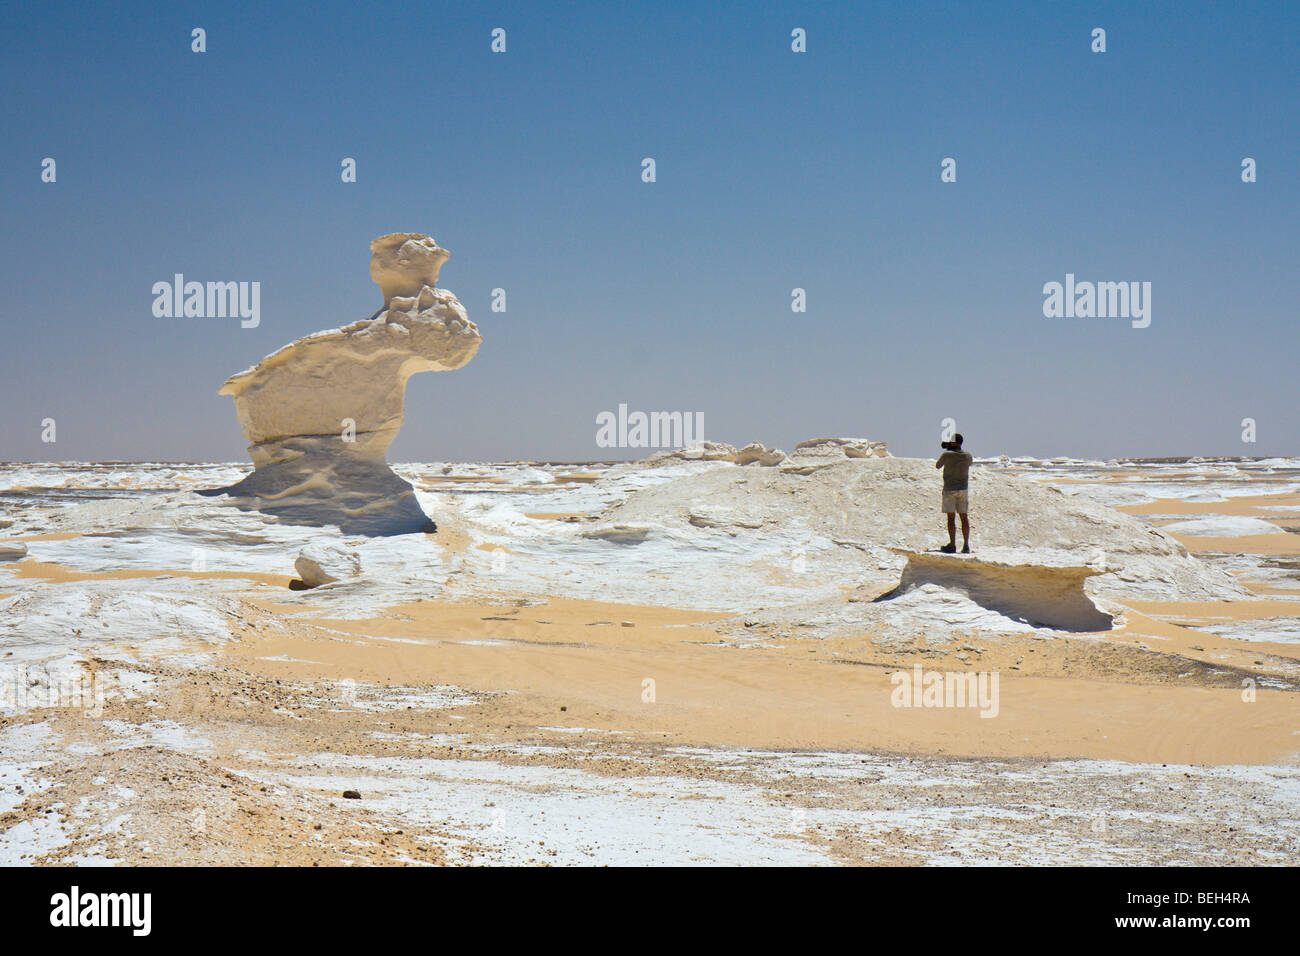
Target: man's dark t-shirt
956,469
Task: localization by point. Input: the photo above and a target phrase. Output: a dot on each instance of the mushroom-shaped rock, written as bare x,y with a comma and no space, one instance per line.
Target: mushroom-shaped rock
321,412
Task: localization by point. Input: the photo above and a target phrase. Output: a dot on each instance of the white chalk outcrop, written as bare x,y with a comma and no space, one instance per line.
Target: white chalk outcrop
321,412
1036,588
12,551
696,451
837,448
863,509
324,562
809,456
403,263
806,457
755,454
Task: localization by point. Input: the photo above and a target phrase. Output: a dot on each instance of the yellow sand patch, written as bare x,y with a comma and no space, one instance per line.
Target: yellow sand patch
1255,506
1087,697
1280,543
50,571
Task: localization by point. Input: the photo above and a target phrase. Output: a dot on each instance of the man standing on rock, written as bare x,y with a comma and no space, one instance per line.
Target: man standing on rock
956,473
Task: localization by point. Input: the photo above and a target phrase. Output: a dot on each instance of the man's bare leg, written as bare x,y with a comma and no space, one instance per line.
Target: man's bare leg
952,529
965,531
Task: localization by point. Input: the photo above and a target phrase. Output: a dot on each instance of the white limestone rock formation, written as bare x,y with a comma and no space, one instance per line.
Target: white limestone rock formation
1036,588
696,451
752,454
12,551
324,562
403,263
817,452
858,510
806,458
321,412
755,454
836,448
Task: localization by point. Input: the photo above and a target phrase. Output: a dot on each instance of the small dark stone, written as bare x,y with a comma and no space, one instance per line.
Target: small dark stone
351,794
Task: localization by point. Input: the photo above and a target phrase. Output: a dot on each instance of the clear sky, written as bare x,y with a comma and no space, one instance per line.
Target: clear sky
775,170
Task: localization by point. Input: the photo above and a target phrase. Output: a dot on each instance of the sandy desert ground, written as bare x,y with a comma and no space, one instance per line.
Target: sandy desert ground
558,677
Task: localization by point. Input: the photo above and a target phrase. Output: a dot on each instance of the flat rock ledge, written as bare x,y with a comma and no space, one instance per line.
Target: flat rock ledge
1040,589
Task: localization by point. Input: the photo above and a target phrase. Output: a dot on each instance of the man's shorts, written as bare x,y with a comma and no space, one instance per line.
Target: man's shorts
954,502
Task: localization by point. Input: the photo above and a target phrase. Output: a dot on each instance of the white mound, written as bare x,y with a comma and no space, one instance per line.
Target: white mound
83,615
863,508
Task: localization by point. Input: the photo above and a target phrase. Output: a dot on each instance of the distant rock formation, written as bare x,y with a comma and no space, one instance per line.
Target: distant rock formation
807,456
755,454
321,412
818,452
696,451
836,448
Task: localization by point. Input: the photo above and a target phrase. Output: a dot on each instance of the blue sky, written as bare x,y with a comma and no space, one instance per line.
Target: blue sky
775,170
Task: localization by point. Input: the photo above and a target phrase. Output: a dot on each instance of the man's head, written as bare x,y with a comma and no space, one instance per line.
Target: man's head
954,445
